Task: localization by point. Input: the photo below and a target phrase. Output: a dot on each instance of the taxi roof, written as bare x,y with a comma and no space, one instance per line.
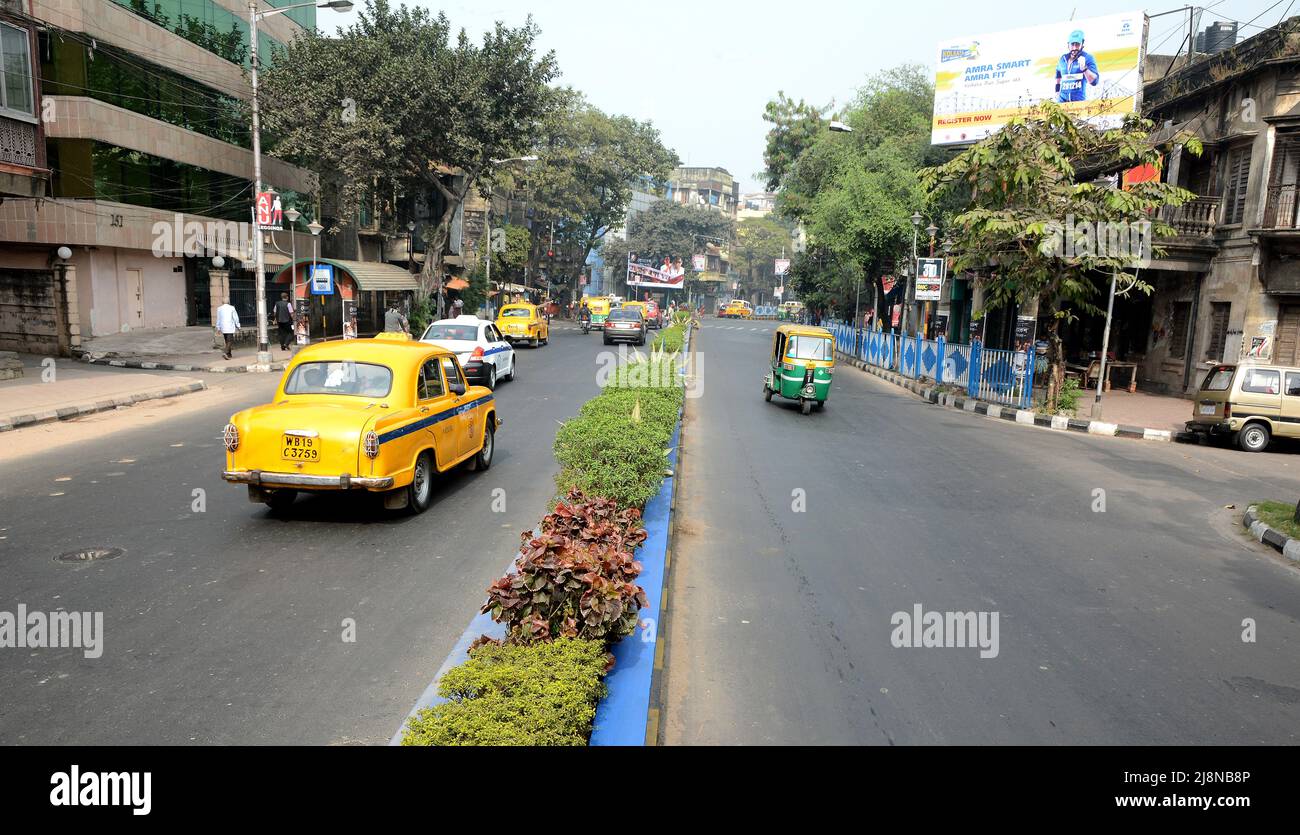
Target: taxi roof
390,350
803,330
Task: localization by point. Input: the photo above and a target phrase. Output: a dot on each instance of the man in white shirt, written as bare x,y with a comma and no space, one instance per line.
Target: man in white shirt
228,325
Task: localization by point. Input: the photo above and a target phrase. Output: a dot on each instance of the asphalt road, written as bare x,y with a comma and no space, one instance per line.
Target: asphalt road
226,625
1117,627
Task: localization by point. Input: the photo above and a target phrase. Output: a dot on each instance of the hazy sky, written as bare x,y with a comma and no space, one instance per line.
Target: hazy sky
702,70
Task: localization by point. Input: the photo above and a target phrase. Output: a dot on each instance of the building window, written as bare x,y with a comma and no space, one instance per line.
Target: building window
1236,174
1178,330
1219,312
16,96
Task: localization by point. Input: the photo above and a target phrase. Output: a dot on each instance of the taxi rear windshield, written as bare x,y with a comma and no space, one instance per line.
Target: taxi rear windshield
1219,379
809,348
355,379
464,333
517,312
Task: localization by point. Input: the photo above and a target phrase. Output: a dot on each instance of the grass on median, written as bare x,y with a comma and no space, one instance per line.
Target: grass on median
1279,516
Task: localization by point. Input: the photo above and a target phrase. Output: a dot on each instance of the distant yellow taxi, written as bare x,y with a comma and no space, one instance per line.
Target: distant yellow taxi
736,309
382,415
523,322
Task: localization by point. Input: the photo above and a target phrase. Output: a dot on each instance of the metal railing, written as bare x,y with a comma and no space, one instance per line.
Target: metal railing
998,376
1279,211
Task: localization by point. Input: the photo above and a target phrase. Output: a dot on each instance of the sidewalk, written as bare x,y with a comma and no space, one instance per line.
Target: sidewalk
174,349
76,390
1139,409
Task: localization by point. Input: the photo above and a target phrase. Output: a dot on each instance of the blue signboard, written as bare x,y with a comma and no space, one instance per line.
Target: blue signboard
322,280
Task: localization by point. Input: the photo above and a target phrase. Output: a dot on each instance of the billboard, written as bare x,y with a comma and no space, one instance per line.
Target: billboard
671,275
1091,66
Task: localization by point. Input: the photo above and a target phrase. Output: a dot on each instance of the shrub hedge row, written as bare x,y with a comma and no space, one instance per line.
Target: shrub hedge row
541,686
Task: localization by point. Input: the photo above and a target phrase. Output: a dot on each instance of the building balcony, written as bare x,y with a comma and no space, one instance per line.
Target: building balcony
1195,218
1280,207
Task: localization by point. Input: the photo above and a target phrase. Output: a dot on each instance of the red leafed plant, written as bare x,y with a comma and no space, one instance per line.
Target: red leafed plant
574,579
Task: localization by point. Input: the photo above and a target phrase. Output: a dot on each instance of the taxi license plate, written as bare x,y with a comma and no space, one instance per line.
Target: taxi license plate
1207,410
299,448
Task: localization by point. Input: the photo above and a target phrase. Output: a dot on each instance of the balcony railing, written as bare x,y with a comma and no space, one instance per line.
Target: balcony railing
1195,218
1279,212
17,142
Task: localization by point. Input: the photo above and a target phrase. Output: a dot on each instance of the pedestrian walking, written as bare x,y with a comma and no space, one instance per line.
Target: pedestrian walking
228,326
282,315
395,321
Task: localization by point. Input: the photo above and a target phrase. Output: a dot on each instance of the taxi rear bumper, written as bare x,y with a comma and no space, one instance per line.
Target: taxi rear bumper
344,481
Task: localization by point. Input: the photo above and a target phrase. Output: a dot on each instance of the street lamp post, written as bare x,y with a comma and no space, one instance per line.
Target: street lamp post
909,290
259,260
487,215
315,228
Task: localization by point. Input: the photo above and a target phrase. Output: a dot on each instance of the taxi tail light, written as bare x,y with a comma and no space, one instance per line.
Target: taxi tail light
478,353
370,444
230,436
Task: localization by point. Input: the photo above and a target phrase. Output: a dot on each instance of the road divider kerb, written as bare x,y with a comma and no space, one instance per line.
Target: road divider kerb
11,422
1023,417
145,365
1272,537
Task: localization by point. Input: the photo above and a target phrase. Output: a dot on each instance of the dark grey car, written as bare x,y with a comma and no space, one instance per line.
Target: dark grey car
625,324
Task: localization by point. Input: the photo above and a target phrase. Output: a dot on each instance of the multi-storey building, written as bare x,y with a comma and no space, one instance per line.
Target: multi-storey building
710,186
146,136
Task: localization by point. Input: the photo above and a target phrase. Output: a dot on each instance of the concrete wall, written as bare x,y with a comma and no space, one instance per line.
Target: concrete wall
28,311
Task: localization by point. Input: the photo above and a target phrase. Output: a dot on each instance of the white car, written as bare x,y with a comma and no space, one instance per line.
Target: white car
484,355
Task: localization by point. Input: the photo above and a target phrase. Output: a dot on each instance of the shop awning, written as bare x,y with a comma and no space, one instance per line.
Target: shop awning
369,275
457,284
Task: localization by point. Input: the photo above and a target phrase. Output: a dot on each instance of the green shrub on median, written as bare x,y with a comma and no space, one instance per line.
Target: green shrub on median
517,694
670,339
615,445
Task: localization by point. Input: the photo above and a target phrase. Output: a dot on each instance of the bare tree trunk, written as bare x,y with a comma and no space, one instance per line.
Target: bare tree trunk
1055,354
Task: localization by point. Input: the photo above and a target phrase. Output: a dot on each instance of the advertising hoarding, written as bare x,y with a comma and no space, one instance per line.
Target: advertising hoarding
1092,66
671,275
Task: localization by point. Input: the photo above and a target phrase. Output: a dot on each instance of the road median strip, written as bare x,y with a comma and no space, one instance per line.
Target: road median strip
146,365
473,698
1285,545
1061,423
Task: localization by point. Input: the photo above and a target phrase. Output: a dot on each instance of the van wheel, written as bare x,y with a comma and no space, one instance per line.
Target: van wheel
420,490
1253,437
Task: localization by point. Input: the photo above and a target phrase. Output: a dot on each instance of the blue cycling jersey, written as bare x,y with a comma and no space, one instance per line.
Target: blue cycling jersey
1071,85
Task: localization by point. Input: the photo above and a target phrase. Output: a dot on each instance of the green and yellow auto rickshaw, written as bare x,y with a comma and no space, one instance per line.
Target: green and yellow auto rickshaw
801,363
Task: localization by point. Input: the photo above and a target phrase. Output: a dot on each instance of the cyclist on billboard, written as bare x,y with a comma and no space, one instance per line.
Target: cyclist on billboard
1075,71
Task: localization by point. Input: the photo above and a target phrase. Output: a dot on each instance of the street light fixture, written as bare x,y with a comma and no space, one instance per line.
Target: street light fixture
836,126
259,259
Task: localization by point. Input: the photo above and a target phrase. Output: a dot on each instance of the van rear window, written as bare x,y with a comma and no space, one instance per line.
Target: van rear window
1260,381
1219,379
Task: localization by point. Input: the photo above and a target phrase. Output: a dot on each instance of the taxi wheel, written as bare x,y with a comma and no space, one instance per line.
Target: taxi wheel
536,343
420,490
491,380
279,500
806,405
514,365
483,458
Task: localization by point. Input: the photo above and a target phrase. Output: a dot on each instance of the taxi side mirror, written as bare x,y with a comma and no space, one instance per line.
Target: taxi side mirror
457,388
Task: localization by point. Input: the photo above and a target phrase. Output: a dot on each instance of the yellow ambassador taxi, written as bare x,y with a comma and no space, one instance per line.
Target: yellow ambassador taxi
523,322
384,415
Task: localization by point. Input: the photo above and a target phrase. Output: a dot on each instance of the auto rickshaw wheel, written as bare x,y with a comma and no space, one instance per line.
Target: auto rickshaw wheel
806,405
821,404
767,393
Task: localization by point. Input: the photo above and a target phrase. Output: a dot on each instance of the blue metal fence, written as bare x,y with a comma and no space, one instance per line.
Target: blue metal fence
998,376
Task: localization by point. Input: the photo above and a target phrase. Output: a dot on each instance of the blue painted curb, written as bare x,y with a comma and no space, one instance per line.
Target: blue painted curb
622,715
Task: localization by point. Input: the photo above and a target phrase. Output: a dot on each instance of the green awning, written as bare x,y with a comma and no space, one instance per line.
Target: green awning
369,275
